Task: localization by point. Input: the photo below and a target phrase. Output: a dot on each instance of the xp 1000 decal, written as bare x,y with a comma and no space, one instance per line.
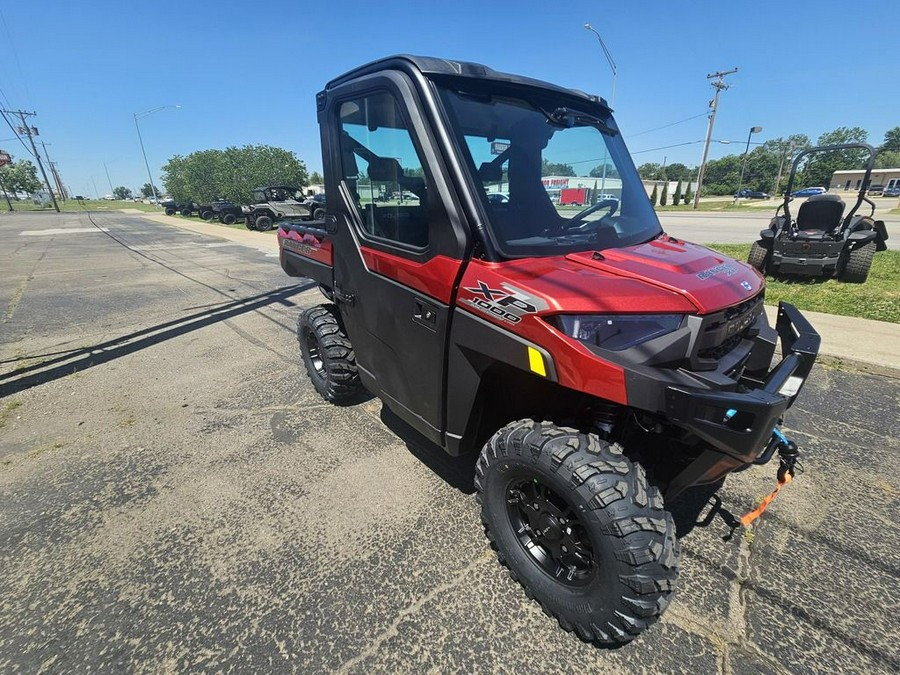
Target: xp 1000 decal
506,302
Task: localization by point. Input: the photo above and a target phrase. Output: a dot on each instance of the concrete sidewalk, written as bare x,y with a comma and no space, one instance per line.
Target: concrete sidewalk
870,345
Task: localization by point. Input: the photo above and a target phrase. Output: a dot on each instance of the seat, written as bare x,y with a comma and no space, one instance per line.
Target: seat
819,217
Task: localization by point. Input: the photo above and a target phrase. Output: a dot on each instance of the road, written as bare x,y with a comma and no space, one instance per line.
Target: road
175,497
725,227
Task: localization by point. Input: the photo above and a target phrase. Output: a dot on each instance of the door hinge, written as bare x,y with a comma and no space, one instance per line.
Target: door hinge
341,295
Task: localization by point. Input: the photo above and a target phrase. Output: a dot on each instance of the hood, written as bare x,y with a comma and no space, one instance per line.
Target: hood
710,280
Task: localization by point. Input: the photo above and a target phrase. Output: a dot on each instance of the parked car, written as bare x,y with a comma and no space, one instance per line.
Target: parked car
875,190
750,194
497,198
892,191
809,192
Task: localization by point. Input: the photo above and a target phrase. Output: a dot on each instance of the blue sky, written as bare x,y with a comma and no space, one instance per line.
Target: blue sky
248,72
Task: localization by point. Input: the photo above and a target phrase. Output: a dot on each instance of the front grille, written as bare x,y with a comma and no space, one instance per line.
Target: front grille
721,332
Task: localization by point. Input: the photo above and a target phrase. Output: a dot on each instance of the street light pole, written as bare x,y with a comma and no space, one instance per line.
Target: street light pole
609,59
138,116
612,101
753,130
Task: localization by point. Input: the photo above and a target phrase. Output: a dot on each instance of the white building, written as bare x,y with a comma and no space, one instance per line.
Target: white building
852,180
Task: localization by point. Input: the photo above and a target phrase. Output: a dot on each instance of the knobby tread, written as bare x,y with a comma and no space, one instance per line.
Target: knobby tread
758,257
340,381
636,534
856,271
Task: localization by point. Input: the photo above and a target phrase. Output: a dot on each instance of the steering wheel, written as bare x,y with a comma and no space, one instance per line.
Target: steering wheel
575,221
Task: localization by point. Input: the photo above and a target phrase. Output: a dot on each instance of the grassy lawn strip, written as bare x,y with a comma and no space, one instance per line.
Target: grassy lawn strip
878,298
72,206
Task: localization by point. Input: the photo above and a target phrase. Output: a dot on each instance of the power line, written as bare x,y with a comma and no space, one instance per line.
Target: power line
666,126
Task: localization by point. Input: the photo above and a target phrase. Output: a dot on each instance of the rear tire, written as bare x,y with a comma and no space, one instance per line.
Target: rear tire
170,211
328,355
263,223
856,271
228,219
580,528
759,257
207,215
186,212
319,214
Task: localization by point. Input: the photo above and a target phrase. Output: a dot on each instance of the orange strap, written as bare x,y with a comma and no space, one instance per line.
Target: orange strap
758,511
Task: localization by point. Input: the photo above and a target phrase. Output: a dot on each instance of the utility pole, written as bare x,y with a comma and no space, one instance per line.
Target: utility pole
787,150
107,178
54,173
719,85
30,132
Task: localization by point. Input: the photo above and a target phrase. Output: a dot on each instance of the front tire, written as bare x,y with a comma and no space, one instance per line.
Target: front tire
856,271
263,223
186,212
228,219
580,528
759,257
328,355
170,211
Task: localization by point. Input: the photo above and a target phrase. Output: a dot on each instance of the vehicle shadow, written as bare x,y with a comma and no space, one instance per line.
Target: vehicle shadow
457,472
79,360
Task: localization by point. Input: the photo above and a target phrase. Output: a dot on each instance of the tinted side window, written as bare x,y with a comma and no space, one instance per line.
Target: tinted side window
384,171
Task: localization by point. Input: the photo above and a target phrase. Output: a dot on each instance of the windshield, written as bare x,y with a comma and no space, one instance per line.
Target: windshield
554,179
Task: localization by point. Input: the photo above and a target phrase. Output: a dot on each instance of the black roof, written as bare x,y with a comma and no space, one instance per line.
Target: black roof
429,66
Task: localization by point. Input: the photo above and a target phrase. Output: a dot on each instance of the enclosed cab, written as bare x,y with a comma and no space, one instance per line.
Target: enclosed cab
597,365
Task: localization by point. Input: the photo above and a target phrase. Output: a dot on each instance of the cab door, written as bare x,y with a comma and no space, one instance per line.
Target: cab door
399,243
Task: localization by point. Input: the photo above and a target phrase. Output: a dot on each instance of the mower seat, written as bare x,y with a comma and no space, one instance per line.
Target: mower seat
819,217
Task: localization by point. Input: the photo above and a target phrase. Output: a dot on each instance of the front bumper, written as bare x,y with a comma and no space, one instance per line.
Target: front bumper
739,423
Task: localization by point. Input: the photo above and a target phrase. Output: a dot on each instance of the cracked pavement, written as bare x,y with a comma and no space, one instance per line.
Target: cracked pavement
175,497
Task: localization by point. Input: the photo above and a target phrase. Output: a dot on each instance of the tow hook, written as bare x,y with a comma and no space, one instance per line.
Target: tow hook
788,464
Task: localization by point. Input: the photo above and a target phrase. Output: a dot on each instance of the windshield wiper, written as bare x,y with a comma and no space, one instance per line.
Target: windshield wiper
566,118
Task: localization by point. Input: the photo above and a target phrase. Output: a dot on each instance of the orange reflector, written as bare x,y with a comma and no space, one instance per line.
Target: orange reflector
763,505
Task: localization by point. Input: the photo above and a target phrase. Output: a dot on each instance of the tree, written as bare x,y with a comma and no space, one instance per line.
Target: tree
122,193
654,195
888,160
147,190
688,197
597,171
232,173
678,171
315,178
664,197
785,149
891,141
822,165
676,198
549,168
20,176
650,171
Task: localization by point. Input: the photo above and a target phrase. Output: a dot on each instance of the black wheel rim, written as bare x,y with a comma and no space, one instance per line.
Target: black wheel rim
314,353
550,532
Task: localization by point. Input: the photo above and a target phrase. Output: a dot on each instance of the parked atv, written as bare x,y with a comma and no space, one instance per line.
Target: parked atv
273,203
822,241
226,212
171,207
598,366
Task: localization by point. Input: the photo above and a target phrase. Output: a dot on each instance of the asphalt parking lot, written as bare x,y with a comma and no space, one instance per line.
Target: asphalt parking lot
175,497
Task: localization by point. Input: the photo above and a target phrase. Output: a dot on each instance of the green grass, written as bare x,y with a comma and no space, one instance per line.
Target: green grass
878,298
72,206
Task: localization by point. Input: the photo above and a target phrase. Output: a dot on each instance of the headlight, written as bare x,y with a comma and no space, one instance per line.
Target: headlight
617,331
